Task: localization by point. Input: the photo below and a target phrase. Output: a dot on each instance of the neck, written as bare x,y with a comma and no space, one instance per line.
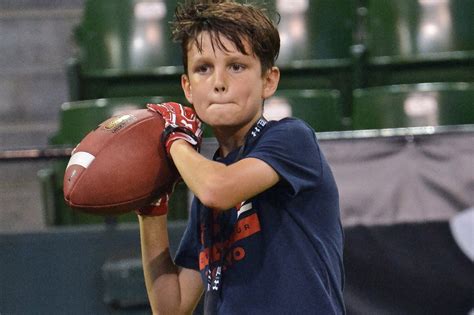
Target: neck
231,138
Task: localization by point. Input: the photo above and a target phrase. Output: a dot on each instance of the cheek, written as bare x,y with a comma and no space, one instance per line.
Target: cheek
196,95
253,95
198,108
249,89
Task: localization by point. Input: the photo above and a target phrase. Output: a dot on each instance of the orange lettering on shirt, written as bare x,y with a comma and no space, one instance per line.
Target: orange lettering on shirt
246,227
203,258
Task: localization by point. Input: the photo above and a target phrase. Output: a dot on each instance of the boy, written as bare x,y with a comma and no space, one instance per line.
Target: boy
264,234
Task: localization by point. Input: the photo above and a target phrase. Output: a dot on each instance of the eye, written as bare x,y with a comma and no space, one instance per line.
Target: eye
202,68
237,67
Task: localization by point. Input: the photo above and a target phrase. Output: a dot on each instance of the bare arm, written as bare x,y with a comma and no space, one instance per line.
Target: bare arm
171,290
217,185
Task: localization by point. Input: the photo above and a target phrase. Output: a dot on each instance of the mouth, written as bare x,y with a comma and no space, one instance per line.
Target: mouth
217,104
220,103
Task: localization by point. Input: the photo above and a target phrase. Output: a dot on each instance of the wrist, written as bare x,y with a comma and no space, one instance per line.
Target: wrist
171,135
151,211
177,145
156,208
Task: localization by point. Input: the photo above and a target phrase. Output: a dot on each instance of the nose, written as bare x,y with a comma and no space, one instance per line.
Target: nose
220,82
219,88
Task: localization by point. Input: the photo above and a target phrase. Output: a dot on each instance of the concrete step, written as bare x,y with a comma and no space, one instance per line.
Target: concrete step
20,197
21,134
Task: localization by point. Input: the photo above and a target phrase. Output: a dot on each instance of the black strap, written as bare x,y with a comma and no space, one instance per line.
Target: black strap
227,221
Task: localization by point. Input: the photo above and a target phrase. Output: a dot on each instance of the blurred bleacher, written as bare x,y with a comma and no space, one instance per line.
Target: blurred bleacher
388,85
35,42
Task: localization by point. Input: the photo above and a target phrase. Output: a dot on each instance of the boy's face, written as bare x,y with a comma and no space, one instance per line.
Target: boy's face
227,88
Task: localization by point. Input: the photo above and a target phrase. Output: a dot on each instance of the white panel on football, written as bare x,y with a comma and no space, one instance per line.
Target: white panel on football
83,159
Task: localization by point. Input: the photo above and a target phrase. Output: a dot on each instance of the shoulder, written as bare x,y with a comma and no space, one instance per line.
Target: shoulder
292,129
290,124
289,146
288,137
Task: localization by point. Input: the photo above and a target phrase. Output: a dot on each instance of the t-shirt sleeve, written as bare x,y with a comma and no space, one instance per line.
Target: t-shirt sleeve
187,255
290,148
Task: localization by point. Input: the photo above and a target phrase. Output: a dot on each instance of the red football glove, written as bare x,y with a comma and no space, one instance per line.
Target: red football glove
156,208
181,122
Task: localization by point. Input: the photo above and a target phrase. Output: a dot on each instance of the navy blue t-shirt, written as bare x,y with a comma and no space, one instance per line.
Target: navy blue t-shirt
281,251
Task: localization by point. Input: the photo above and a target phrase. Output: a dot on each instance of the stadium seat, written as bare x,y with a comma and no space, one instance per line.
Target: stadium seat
307,32
418,41
76,120
316,39
413,105
126,38
321,109
125,50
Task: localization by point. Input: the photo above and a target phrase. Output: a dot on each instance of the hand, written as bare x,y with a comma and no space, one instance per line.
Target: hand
159,206
156,208
181,122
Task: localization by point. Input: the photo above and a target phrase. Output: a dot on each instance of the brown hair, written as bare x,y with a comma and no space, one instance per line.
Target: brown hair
234,21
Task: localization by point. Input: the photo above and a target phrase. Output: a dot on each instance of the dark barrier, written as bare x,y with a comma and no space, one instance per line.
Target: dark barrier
61,271
412,269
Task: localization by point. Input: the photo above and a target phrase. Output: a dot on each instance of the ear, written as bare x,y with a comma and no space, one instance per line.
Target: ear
271,80
186,86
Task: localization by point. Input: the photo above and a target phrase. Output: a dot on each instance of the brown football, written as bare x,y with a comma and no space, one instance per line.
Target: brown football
120,166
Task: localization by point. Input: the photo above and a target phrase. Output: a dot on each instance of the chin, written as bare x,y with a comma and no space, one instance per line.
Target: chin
220,118
220,124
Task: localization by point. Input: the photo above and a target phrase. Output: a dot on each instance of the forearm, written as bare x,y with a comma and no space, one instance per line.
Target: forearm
221,186
161,274
205,178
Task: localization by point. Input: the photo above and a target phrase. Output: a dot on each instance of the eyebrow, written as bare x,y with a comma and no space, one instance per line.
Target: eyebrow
228,58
